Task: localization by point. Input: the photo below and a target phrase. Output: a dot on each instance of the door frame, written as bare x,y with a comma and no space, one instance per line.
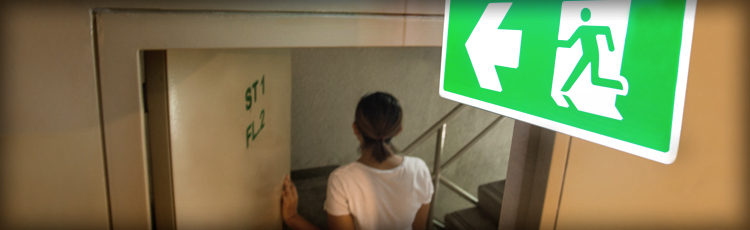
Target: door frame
121,35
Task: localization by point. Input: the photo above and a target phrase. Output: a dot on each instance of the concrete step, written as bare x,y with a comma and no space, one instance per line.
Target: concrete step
468,219
491,199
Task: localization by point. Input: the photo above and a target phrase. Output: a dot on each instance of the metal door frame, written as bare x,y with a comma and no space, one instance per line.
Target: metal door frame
120,36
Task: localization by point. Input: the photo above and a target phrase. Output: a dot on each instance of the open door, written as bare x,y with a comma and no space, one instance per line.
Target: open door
219,131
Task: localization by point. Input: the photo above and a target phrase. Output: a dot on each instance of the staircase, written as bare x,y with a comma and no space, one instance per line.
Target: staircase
486,215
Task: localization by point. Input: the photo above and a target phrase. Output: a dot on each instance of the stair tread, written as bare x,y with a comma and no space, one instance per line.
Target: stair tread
497,187
491,199
470,218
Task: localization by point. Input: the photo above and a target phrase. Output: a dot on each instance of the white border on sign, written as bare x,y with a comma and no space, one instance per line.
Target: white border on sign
641,151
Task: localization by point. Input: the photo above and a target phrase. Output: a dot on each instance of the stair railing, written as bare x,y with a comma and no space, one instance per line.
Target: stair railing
440,128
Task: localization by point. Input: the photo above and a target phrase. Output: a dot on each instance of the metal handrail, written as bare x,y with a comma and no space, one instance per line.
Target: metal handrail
438,223
440,127
436,170
473,141
460,191
432,129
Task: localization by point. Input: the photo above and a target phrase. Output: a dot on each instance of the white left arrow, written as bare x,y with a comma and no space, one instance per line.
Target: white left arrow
489,46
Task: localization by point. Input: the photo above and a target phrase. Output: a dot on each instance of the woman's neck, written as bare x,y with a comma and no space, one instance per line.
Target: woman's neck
390,162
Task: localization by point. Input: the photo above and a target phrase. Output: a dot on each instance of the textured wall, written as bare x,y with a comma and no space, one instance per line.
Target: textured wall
328,82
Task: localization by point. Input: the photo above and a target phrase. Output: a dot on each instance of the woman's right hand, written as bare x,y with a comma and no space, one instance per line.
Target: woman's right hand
288,200
289,208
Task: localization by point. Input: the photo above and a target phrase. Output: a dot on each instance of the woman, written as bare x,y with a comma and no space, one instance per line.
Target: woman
380,190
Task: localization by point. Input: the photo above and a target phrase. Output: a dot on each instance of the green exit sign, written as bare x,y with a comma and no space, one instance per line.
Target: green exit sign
610,72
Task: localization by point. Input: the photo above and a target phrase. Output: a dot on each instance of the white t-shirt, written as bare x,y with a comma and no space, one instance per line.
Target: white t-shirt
379,199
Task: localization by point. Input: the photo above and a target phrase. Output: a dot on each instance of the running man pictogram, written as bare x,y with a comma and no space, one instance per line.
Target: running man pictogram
587,35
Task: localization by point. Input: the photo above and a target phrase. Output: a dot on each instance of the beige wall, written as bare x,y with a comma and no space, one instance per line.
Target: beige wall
219,171
707,187
52,161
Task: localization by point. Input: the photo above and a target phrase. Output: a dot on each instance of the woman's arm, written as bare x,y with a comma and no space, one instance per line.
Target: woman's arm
289,208
345,222
420,220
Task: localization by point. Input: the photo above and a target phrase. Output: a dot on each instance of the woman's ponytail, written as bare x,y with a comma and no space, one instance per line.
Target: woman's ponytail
381,150
378,118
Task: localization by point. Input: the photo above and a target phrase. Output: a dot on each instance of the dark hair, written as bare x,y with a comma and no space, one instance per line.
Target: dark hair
378,118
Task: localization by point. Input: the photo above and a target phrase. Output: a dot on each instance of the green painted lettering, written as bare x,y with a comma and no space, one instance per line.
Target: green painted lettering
248,99
255,90
249,134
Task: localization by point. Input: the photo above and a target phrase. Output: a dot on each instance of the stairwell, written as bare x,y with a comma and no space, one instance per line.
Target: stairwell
311,183
486,215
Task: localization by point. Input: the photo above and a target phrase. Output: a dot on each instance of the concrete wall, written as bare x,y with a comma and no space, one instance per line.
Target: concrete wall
708,185
327,83
52,162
